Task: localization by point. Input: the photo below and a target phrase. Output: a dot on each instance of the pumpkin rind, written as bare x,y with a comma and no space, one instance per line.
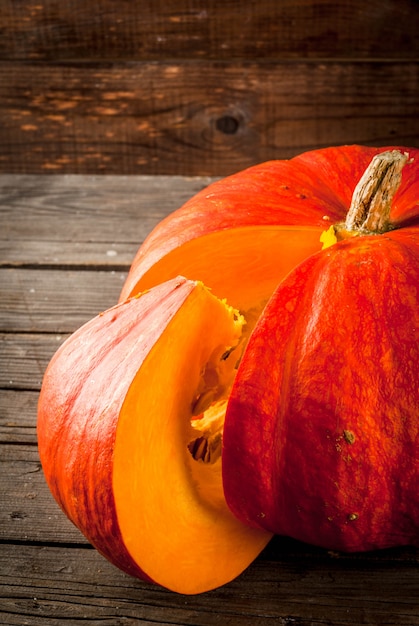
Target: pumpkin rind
326,400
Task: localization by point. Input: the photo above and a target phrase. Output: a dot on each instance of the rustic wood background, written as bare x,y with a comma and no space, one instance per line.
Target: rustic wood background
199,87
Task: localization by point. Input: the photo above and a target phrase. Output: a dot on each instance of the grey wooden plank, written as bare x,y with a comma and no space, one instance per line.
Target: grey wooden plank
55,301
48,573
18,416
29,512
61,585
66,254
46,576
84,220
24,358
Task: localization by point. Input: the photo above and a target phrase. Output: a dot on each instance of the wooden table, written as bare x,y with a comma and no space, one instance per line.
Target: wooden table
66,245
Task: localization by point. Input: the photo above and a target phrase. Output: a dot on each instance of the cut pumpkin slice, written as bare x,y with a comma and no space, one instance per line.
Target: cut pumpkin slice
123,414
246,279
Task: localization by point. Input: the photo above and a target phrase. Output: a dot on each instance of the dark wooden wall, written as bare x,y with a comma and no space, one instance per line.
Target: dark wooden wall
201,87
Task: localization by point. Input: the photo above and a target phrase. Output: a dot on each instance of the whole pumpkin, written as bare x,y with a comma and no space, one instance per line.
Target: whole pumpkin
294,412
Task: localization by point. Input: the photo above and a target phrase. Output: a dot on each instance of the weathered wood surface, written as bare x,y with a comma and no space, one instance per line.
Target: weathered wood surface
206,118
201,88
66,585
49,574
184,29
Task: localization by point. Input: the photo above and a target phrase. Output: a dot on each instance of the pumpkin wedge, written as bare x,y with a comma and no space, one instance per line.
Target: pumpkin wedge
115,431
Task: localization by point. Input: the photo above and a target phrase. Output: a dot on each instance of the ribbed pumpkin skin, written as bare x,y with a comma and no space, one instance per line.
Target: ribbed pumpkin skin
326,401
81,398
231,221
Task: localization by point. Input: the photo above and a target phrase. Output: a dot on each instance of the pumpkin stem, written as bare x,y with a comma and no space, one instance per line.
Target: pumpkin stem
369,212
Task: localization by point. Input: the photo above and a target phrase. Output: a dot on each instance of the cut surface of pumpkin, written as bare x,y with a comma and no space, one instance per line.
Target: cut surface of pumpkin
170,506
217,259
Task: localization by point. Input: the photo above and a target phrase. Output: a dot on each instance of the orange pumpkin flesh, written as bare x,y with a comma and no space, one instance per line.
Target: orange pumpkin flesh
216,259
241,235
114,425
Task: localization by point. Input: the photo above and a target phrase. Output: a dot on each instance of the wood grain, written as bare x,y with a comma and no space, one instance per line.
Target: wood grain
18,416
66,585
76,220
24,358
184,29
53,301
197,118
28,511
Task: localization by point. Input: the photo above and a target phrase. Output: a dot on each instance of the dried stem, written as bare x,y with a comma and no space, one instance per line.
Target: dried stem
373,196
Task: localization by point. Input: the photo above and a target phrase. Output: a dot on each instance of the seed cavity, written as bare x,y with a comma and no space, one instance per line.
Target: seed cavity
208,405
206,449
203,401
207,446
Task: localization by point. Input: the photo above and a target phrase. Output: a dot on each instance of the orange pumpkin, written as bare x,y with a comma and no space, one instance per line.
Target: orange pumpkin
182,428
